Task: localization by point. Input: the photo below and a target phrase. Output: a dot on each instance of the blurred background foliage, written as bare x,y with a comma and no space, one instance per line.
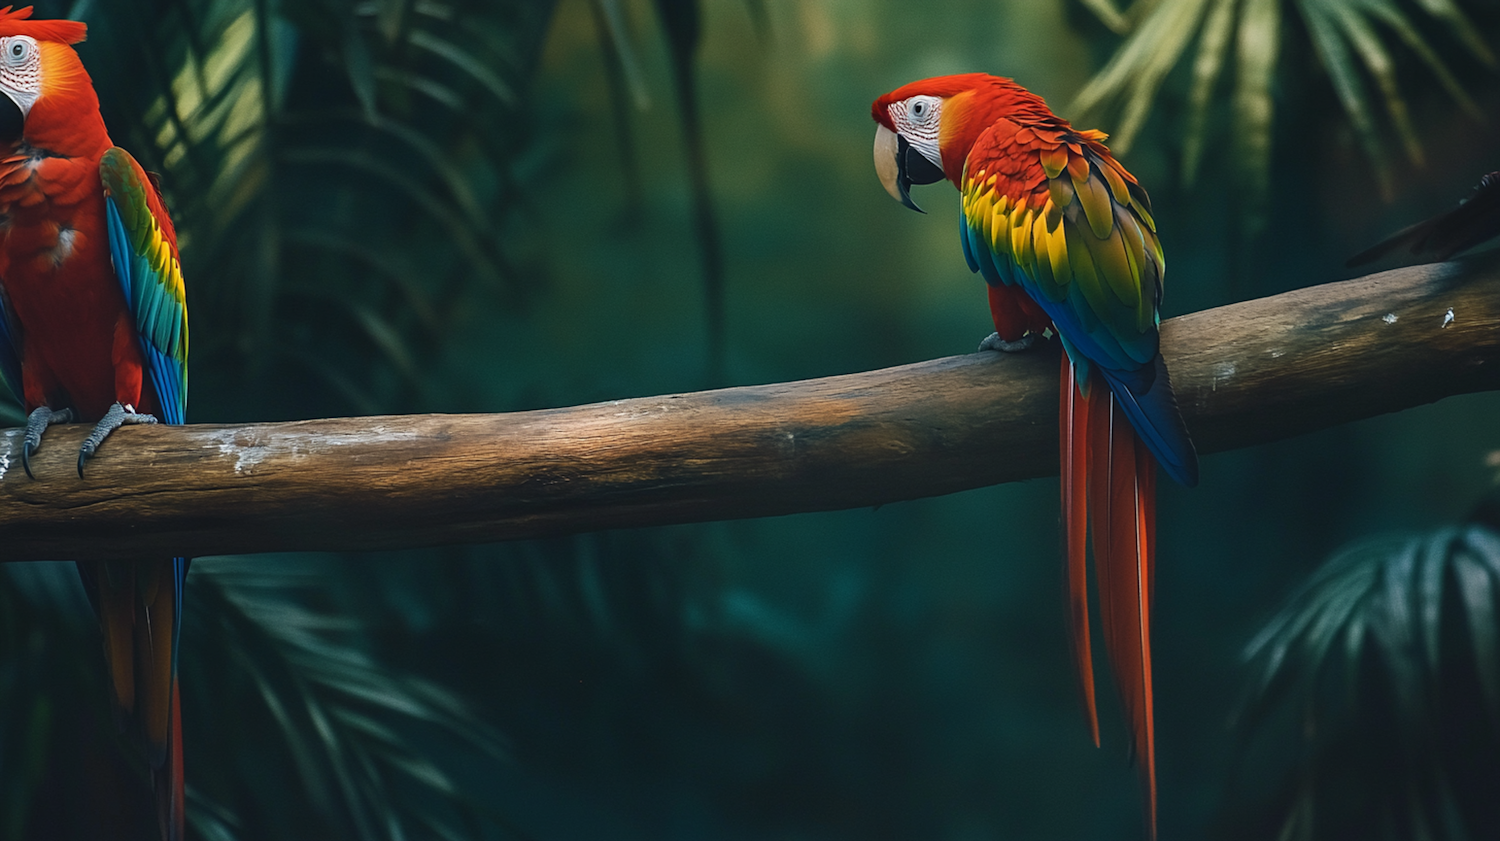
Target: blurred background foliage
494,205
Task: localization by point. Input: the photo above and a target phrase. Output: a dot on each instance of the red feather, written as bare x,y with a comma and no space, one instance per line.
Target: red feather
169,781
62,31
1073,431
1122,485
1014,313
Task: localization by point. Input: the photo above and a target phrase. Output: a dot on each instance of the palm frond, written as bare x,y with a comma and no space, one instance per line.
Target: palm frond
1386,667
1354,41
344,719
256,136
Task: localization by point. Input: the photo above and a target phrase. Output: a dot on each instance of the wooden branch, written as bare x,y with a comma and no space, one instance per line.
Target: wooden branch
1245,374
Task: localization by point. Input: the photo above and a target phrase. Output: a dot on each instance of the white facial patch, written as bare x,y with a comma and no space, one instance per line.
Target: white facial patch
21,70
918,119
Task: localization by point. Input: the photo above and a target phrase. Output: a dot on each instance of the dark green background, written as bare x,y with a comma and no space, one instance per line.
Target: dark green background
899,672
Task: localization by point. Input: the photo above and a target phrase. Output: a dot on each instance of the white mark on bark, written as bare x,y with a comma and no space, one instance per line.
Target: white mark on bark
245,456
11,436
1223,372
1448,317
1390,318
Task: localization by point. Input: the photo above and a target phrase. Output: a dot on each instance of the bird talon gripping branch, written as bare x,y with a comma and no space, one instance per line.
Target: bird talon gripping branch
994,342
116,417
36,423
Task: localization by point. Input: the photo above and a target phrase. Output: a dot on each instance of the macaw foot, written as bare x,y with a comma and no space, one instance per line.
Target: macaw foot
116,417
994,342
36,423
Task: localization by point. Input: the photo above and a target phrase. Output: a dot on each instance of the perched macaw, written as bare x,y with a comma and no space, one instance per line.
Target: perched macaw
1063,236
1476,219
93,327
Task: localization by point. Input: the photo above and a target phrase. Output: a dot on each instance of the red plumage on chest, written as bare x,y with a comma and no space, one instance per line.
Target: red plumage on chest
77,341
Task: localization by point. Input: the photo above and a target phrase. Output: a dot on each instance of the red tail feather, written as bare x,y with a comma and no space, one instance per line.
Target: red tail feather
169,782
1073,413
1122,498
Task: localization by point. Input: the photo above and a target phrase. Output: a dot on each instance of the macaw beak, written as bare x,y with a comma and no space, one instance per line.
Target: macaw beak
900,165
12,118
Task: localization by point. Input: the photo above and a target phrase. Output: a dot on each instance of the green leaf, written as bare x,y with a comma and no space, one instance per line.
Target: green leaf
1206,69
1463,29
361,70
389,17
622,48
1258,44
466,62
1108,15
1378,62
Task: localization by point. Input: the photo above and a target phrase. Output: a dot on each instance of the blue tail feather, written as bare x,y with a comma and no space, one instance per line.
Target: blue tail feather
1145,395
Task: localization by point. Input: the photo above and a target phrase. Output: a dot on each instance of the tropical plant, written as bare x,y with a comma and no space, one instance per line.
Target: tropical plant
342,176
1379,685
273,684
1353,43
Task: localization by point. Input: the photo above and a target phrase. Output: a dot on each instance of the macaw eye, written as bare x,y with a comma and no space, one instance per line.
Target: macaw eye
17,51
920,109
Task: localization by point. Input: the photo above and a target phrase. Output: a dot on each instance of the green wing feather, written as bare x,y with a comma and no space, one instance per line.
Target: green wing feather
143,245
1054,212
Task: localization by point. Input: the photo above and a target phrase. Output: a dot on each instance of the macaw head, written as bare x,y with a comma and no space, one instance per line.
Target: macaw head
38,70
925,129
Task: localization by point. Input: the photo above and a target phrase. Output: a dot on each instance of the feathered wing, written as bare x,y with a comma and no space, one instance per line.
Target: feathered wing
1047,209
140,604
1051,211
143,245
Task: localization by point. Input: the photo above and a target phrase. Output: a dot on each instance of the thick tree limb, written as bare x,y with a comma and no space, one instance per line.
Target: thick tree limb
1245,374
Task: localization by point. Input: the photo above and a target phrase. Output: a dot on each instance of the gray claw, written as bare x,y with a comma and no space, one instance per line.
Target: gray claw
994,342
36,423
116,417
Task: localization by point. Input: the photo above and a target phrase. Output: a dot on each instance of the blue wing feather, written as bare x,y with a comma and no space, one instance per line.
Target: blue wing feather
160,317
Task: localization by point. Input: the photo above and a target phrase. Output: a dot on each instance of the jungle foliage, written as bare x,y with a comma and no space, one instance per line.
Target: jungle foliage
492,205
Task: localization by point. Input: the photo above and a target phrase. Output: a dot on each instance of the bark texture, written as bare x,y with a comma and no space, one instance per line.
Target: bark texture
1244,374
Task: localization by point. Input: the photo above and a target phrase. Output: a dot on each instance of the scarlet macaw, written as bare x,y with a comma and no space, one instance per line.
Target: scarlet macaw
93,327
1064,237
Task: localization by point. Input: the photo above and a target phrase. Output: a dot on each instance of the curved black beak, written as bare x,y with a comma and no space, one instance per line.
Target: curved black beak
900,165
12,121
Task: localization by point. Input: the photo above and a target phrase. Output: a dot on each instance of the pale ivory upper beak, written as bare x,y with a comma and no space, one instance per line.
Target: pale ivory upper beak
886,164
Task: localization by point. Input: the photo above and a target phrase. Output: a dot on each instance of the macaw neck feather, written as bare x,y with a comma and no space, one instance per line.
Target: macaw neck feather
988,100
65,119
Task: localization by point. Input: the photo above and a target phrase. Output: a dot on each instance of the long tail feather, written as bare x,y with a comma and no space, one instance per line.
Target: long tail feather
1073,416
156,624
139,604
114,585
168,780
1122,480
